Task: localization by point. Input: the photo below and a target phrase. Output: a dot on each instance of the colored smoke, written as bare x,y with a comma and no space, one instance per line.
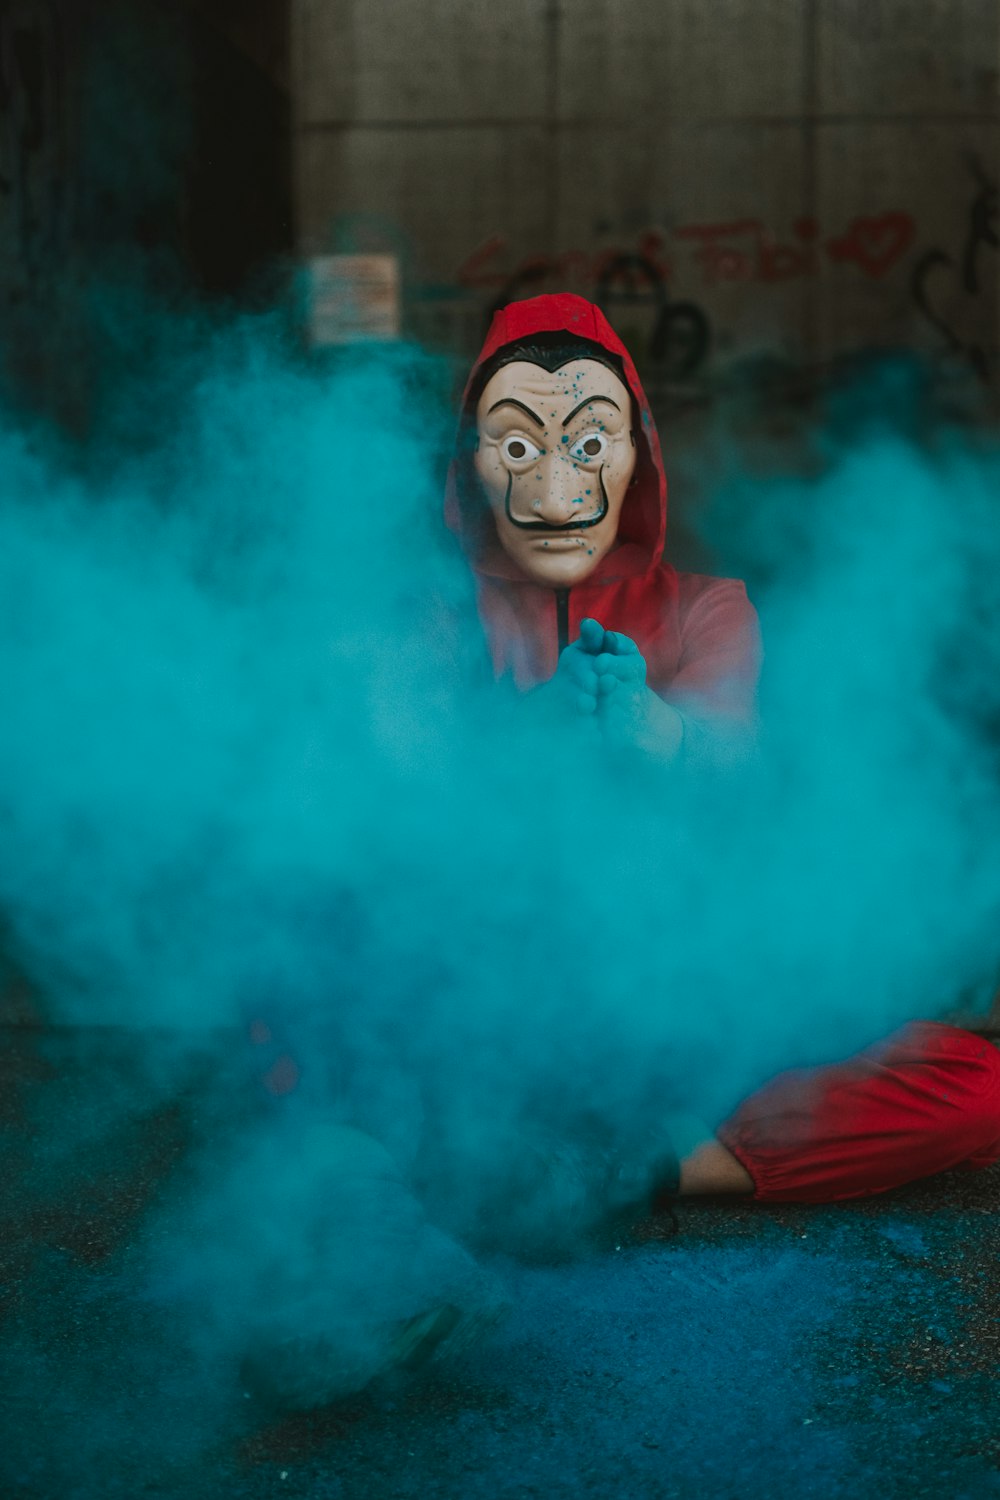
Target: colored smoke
253,769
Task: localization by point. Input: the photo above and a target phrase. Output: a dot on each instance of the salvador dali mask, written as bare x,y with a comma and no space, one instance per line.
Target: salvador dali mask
555,457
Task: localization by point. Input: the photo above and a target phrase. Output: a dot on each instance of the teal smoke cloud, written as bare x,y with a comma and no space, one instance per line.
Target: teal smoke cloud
253,766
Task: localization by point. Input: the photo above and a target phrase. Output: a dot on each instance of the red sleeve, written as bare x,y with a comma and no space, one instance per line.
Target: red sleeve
715,685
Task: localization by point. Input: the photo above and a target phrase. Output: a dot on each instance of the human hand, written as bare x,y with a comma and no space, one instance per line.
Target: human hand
621,687
602,675
621,672
577,678
601,671
631,715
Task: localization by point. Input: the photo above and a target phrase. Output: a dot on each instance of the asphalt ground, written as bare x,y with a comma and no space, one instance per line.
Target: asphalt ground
760,1352
783,1351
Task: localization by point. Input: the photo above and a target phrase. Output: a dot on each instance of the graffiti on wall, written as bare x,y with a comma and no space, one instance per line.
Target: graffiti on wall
673,337
950,291
634,282
952,287
727,250
747,251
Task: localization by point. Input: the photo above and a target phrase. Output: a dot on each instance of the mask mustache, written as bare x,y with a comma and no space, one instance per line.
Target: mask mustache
546,528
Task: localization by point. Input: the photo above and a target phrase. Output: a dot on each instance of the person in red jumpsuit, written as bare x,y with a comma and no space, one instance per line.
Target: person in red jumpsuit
558,494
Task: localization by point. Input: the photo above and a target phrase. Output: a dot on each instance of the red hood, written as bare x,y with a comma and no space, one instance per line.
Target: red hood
643,524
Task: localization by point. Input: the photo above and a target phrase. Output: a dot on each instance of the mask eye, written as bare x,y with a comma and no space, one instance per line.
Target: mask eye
589,449
519,450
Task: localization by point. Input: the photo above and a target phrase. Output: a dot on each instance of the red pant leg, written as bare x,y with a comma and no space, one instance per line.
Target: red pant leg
925,1099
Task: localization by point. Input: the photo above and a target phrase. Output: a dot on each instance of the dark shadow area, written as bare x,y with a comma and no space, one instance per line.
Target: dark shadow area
144,162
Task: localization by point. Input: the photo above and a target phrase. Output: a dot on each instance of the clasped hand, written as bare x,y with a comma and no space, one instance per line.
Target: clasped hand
600,670
603,673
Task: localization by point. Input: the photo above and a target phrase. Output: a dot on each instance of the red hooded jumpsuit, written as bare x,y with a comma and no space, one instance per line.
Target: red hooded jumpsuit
927,1098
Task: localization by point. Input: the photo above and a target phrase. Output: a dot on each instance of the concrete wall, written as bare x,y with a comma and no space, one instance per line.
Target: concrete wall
798,177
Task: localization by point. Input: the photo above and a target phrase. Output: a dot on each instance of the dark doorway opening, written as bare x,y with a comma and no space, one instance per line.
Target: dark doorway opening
238,210
145,171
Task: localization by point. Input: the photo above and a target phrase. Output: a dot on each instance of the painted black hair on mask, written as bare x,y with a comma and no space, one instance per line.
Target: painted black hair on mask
550,351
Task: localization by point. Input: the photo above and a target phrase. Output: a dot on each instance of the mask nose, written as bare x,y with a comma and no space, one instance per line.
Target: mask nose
560,487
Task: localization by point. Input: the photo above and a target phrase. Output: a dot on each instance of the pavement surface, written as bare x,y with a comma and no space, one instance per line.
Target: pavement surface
832,1352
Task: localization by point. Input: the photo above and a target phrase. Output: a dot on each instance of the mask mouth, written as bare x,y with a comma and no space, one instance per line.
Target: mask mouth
546,528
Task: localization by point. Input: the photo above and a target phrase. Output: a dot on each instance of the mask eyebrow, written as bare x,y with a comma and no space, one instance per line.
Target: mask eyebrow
512,401
586,402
